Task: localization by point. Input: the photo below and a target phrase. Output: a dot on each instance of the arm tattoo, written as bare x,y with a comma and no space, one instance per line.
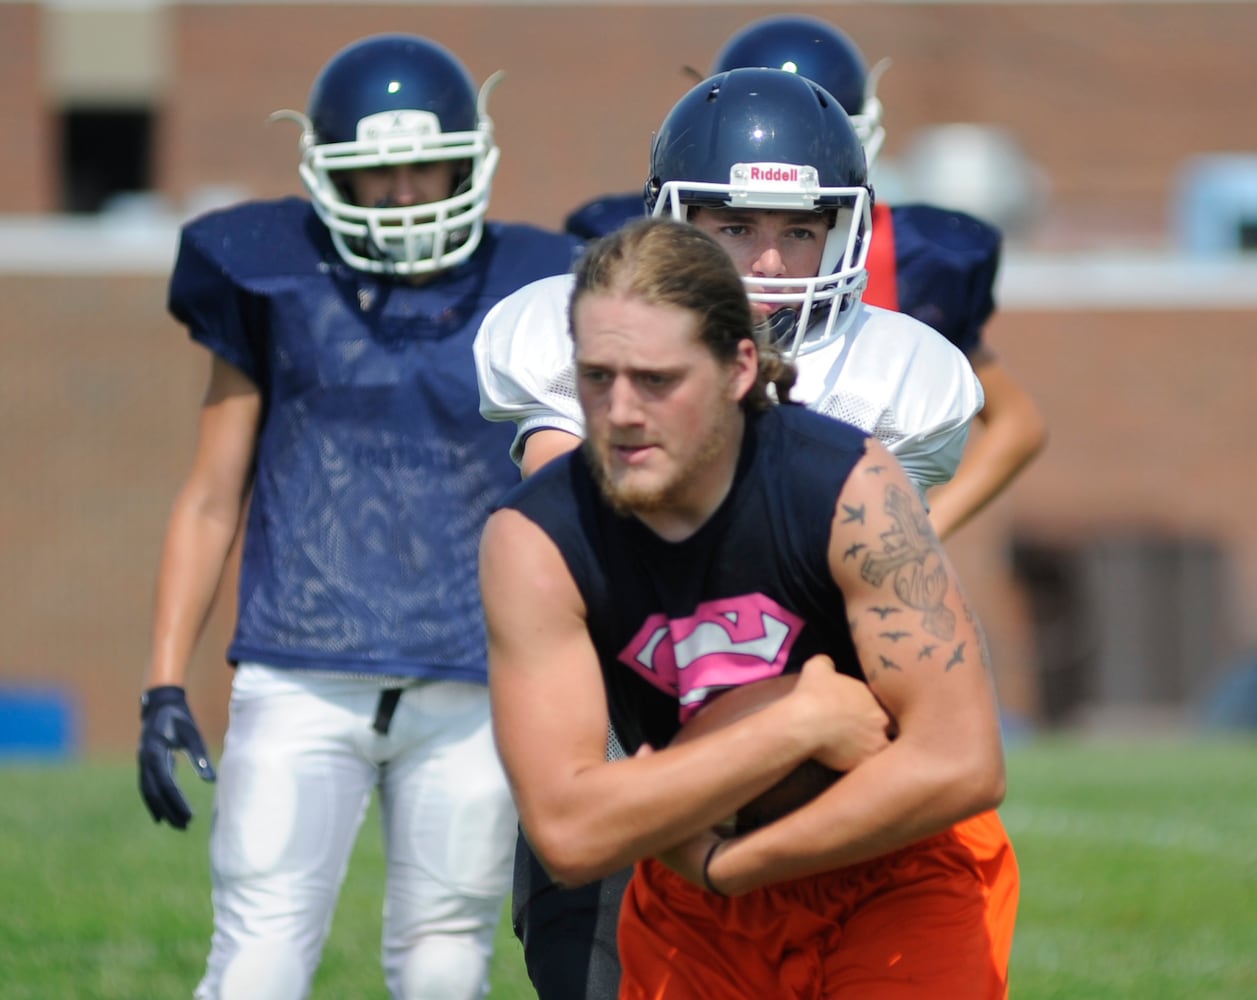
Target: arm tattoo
984,652
853,514
885,663
957,658
912,559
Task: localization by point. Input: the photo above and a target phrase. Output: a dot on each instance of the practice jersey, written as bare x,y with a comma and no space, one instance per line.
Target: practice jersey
750,595
934,264
937,265
604,215
374,472
887,374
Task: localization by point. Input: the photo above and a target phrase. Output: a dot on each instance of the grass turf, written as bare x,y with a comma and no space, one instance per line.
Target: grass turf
1138,861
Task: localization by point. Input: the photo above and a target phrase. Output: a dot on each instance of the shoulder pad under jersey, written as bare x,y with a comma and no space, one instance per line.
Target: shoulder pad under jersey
524,367
604,215
227,256
513,254
945,268
903,383
257,239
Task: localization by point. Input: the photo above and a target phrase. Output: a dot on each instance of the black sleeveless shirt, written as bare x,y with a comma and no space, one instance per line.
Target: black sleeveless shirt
749,595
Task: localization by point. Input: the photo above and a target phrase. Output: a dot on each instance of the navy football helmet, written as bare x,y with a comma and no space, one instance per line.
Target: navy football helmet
810,47
769,139
388,100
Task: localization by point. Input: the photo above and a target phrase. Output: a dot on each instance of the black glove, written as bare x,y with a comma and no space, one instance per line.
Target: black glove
166,726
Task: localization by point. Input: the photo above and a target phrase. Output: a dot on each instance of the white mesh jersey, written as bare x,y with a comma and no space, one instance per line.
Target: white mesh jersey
890,375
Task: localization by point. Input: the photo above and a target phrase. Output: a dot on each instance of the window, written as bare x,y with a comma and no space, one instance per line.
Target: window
104,152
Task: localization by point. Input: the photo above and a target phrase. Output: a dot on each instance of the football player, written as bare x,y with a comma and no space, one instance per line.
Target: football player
704,539
341,419
771,167
936,264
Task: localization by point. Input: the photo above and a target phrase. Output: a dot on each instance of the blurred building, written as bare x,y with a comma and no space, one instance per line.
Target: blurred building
1115,576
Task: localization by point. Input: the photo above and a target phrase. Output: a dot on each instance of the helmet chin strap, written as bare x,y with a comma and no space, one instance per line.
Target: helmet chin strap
782,324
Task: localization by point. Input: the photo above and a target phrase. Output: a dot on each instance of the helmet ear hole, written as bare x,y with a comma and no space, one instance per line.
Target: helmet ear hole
650,193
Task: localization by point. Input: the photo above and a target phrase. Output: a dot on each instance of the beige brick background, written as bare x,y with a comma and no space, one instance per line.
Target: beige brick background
1150,410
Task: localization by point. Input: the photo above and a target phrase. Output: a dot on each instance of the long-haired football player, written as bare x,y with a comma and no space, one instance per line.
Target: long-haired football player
704,539
771,167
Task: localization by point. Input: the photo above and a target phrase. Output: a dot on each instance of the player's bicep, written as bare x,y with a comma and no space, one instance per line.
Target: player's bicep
545,684
222,466
913,630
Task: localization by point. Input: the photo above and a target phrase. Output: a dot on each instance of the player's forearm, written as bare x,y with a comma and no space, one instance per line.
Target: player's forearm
994,459
1012,433
611,814
954,504
193,556
896,798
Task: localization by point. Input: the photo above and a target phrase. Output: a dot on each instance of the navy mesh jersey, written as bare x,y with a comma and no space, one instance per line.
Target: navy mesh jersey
945,268
749,595
375,471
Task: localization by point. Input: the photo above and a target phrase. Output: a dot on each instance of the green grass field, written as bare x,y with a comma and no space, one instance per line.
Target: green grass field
1139,880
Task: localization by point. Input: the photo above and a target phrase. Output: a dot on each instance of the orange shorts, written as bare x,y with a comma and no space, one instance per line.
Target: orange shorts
932,920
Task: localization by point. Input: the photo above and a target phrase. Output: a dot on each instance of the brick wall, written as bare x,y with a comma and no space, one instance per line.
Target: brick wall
1109,98
1149,411
1150,415
26,169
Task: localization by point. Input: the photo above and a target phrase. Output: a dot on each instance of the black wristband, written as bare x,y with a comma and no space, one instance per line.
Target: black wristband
711,852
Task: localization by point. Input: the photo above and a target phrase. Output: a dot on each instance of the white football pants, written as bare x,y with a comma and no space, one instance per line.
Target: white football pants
300,762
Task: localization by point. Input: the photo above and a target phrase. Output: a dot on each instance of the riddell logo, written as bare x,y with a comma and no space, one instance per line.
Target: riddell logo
405,124
774,173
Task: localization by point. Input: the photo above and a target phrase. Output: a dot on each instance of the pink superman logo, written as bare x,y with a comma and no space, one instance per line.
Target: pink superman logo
726,642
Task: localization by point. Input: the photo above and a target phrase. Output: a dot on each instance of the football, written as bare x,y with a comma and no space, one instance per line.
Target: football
797,788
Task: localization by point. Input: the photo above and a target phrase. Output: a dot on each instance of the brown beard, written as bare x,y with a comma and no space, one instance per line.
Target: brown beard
628,502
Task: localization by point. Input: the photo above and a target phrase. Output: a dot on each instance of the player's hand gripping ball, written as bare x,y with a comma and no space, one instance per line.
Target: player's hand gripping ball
796,789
